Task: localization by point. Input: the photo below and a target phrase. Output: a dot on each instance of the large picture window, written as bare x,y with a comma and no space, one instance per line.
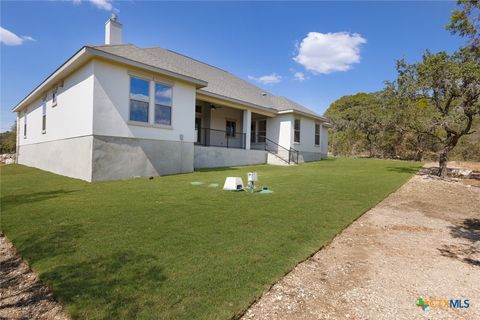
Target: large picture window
317,134
139,99
296,131
163,104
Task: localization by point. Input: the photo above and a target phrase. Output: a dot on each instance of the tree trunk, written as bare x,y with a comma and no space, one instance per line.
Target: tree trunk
443,160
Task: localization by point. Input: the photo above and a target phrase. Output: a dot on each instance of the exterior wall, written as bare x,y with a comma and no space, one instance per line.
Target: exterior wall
70,157
324,141
213,157
112,106
279,130
65,147
124,158
71,117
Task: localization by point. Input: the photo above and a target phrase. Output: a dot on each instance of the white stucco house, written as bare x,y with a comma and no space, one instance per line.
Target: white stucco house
116,111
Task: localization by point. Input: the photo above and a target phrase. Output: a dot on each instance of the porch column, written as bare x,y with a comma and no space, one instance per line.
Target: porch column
247,120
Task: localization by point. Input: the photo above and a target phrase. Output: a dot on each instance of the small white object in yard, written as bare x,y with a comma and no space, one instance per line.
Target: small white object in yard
9,161
252,178
233,183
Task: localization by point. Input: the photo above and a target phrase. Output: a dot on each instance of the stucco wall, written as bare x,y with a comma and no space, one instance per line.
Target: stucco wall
279,130
125,158
112,106
70,157
307,136
71,117
213,157
324,141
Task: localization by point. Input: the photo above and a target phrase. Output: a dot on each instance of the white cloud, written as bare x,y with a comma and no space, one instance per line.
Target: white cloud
329,52
100,4
299,76
267,79
11,39
103,4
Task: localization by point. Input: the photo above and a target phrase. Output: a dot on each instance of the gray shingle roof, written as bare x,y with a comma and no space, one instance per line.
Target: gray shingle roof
220,82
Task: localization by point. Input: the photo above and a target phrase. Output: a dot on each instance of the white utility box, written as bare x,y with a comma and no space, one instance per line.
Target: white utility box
233,183
252,176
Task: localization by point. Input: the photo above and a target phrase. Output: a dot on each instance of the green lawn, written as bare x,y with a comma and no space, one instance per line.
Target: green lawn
166,249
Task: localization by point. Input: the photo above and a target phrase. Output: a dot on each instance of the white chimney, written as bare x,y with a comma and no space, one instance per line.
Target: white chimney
113,31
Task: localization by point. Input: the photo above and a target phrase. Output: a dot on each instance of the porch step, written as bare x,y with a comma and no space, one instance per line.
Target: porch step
276,160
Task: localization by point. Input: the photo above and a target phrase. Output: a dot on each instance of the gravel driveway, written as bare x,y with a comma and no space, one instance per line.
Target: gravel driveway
421,241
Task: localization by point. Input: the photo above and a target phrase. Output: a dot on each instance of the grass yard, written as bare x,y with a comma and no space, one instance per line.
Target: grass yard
166,249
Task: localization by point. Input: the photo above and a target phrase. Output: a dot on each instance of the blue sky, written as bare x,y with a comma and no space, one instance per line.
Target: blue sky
311,52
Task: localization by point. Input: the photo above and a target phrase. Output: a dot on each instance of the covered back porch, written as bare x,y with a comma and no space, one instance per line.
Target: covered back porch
218,125
227,134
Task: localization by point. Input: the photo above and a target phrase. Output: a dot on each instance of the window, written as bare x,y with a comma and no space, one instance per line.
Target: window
163,104
262,130
296,131
253,131
44,115
25,124
139,99
231,128
54,97
317,134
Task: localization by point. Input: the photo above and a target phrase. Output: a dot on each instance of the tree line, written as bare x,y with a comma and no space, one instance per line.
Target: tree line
430,111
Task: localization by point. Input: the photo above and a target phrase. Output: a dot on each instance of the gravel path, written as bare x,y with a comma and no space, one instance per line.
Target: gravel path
22,295
421,241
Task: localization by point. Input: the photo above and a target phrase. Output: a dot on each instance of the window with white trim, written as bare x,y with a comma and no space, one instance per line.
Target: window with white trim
139,99
163,104
296,131
54,97
25,124
44,115
317,134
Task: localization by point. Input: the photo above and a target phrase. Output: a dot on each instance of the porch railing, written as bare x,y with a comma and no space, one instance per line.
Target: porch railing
288,155
220,138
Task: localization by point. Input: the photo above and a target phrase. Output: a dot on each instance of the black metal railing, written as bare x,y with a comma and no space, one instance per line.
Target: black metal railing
263,143
220,138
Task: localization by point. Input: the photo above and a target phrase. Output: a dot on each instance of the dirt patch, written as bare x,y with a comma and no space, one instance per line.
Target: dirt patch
421,241
22,295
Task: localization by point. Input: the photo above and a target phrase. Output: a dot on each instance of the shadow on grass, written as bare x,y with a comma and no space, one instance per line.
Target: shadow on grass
58,240
12,201
403,170
469,230
116,286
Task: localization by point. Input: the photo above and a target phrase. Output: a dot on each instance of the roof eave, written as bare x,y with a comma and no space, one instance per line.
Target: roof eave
237,101
309,115
110,56
82,56
78,58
